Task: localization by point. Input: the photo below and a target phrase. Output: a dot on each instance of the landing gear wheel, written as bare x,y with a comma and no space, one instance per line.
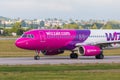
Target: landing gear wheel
36,57
100,56
73,55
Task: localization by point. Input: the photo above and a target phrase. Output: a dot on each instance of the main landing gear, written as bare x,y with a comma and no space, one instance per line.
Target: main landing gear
73,55
37,57
100,56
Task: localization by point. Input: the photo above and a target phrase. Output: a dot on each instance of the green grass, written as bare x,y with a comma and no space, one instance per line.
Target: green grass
62,67
61,72
66,75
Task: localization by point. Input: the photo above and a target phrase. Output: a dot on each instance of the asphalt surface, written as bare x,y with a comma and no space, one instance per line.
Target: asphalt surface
57,60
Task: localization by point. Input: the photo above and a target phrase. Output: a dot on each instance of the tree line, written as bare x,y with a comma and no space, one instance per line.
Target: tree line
18,28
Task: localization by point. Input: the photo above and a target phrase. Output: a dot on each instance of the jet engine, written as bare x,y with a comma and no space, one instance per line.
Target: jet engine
52,52
89,50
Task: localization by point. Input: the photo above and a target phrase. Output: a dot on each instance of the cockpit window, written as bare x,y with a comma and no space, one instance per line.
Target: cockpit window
24,36
30,36
27,36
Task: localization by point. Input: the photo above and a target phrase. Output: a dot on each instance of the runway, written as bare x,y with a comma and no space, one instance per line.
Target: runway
57,60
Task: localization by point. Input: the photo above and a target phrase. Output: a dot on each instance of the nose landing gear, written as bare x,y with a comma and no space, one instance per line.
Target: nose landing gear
37,57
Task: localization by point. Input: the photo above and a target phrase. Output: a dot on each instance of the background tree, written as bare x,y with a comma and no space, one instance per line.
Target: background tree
94,26
71,26
23,23
107,26
42,23
81,27
17,28
7,32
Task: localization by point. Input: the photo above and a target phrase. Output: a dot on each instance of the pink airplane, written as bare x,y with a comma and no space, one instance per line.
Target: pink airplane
53,42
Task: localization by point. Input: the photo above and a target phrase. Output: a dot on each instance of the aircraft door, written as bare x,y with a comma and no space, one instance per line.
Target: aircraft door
42,36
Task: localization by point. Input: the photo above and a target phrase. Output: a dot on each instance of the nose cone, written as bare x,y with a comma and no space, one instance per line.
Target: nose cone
20,43
26,44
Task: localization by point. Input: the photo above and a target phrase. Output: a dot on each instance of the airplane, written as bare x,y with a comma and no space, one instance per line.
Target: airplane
56,41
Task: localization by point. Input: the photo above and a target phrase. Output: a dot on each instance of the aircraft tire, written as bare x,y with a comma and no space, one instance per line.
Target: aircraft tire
73,55
36,57
100,56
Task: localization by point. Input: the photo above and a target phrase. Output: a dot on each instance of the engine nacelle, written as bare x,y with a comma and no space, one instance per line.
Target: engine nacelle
52,52
89,50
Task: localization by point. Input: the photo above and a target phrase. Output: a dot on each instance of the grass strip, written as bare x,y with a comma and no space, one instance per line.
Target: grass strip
61,67
61,72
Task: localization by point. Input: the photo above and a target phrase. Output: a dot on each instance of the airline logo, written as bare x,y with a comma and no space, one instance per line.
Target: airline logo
113,36
58,33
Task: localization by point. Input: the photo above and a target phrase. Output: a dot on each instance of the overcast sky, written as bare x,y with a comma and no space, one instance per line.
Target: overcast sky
63,9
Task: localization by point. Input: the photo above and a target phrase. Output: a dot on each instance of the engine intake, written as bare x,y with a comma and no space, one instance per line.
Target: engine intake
89,50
